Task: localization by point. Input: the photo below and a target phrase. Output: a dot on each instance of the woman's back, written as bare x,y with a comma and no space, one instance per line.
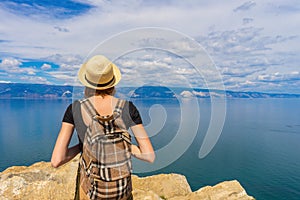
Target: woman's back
100,76
103,105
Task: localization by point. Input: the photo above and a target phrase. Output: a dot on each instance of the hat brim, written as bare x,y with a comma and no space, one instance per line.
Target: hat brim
82,73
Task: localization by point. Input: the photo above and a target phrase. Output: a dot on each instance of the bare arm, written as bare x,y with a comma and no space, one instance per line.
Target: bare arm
144,150
61,152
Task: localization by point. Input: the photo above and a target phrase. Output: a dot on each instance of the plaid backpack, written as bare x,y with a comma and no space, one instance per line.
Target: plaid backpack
106,154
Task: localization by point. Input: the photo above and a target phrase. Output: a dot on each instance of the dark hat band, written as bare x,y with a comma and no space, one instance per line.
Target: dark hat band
100,85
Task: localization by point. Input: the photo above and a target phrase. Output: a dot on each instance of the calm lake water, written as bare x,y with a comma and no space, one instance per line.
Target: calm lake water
259,145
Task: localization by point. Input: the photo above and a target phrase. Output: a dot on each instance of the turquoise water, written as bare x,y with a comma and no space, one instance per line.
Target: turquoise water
259,144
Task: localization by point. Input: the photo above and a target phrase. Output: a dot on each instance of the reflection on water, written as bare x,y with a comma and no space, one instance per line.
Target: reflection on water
259,144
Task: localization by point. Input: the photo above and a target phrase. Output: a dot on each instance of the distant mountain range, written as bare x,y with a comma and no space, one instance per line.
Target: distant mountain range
37,91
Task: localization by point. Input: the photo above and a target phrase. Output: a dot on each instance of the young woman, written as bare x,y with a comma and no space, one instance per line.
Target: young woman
99,76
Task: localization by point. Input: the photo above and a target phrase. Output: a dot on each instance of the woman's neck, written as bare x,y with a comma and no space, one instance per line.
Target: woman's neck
104,104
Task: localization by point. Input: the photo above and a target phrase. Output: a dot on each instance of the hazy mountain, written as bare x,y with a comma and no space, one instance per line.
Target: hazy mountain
19,90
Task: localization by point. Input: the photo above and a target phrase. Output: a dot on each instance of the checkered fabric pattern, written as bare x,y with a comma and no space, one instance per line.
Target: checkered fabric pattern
106,159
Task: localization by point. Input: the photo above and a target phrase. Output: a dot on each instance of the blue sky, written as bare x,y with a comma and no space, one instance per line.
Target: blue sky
253,44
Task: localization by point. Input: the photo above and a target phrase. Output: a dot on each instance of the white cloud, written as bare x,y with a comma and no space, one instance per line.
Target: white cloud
64,77
246,39
279,77
14,66
45,66
10,62
158,69
241,72
86,31
31,72
185,71
5,81
35,79
67,67
70,59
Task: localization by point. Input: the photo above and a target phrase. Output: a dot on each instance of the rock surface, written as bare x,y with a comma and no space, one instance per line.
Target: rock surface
41,181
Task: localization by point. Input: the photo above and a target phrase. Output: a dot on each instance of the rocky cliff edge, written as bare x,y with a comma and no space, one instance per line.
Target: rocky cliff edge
41,181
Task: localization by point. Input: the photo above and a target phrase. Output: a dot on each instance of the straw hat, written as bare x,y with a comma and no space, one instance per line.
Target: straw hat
99,73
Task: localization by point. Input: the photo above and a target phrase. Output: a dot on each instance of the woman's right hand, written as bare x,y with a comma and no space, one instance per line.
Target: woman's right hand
61,152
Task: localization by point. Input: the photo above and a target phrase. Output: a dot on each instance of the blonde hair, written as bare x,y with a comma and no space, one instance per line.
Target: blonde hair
89,92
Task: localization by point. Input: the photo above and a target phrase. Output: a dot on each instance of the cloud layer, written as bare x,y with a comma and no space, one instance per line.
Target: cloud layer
254,44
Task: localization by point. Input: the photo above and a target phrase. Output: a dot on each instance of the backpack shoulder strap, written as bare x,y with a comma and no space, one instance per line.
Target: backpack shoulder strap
119,106
88,106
